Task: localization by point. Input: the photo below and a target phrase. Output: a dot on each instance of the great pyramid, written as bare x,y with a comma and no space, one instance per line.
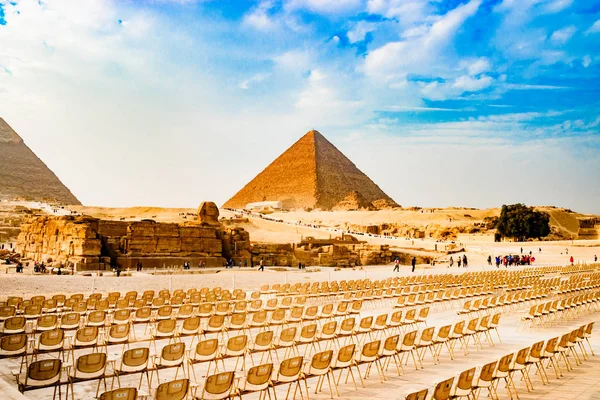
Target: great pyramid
24,176
313,174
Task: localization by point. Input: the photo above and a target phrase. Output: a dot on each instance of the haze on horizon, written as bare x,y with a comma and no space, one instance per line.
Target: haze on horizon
471,103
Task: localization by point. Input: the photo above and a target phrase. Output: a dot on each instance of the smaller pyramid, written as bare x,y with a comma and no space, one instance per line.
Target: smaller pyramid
23,176
313,174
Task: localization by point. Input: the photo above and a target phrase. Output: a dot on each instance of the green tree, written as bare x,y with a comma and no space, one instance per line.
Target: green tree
521,222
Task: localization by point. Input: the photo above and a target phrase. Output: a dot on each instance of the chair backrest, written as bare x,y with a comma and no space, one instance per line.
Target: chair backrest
391,343
589,327
459,327
442,389
143,313
216,321
346,353
46,321
504,363
371,349
136,357
238,319
329,328
129,393
14,343
219,384
522,356
308,331
487,371
207,347
14,323
173,390
237,343
166,326
409,338
420,395
366,322
381,320
348,324
118,331
52,338
396,316
91,363
322,360
288,334
551,345
70,319
173,351
465,379
427,334
444,331
97,316
44,370
86,335
291,366
191,323
260,374
264,338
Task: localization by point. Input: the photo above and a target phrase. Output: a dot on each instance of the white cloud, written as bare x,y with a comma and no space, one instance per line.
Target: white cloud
555,6
418,55
477,66
324,6
259,18
562,36
294,60
470,84
444,90
586,61
359,31
520,86
408,12
595,28
247,83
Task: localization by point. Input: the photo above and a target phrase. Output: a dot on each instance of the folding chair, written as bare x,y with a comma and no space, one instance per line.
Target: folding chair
133,361
290,372
442,390
14,346
88,367
172,355
120,394
320,367
205,351
464,386
262,343
173,390
236,347
42,374
345,360
369,355
258,379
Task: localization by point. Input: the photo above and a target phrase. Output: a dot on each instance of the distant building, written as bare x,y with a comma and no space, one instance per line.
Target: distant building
264,206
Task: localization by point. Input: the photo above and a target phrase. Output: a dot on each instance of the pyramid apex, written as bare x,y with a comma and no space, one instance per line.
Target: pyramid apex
8,134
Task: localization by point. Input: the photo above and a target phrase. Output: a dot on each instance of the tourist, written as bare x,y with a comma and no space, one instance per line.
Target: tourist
118,271
397,265
595,258
497,261
262,266
414,263
465,263
459,261
490,260
245,263
571,260
451,261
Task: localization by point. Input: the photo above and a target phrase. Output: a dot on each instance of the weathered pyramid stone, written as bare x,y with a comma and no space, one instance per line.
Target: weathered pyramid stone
24,176
313,174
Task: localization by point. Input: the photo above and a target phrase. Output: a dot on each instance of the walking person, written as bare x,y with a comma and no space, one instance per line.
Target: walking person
459,261
465,262
414,263
490,260
451,261
118,271
571,260
262,265
397,265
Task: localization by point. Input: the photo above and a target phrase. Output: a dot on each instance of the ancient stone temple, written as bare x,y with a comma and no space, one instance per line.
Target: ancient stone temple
92,243
313,174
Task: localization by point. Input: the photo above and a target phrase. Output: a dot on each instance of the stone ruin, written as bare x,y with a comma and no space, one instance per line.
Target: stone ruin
91,243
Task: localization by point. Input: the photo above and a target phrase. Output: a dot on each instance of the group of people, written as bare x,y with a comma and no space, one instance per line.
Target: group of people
512,260
460,261
413,263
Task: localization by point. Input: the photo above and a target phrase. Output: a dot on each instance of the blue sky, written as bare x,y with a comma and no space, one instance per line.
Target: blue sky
442,103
